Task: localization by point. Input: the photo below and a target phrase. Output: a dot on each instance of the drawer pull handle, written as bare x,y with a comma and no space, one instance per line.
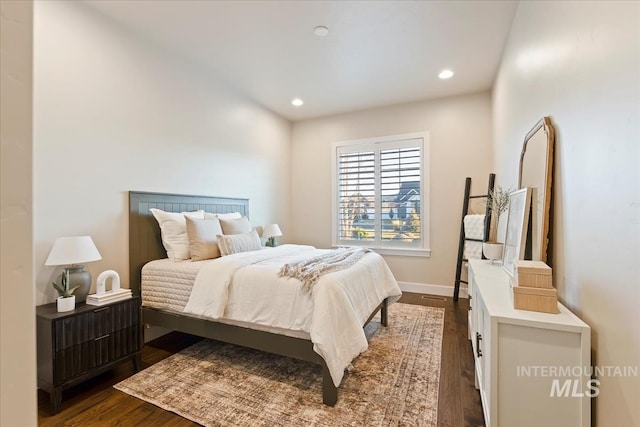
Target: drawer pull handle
101,309
102,337
478,339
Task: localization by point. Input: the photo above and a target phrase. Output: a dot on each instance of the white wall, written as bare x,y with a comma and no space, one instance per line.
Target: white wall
113,113
460,146
18,404
579,62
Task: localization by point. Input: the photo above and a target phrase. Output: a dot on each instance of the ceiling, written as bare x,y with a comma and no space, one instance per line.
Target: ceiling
376,53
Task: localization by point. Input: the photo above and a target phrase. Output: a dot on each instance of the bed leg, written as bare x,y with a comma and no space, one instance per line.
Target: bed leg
329,390
384,320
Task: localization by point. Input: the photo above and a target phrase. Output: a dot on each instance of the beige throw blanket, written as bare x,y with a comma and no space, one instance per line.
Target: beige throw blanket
308,271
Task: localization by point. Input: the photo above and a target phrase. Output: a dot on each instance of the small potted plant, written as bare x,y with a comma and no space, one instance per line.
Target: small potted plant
66,299
498,201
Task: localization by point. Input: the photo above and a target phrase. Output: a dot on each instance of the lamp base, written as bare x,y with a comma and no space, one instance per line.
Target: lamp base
82,279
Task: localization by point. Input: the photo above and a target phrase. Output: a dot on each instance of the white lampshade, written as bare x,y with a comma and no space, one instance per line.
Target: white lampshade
73,250
271,230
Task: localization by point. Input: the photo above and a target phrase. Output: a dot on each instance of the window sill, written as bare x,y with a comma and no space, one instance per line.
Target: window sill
423,253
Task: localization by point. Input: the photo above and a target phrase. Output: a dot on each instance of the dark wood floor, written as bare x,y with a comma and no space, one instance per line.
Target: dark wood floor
458,400
97,403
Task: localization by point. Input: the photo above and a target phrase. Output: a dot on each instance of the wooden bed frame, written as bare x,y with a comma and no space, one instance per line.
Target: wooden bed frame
145,244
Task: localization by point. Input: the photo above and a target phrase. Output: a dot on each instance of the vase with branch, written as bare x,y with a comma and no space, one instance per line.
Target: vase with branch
498,203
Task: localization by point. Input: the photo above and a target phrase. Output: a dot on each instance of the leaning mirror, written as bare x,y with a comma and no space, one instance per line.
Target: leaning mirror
536,171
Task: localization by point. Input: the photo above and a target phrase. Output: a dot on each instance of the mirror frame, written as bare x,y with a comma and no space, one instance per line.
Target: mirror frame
545,125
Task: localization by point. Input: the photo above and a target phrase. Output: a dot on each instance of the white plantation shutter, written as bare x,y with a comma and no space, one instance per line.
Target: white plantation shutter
400,178
379,197
356,193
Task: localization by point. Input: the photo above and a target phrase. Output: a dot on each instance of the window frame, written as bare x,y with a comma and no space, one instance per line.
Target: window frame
421,250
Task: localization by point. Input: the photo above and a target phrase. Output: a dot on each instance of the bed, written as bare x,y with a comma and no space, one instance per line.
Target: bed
145,245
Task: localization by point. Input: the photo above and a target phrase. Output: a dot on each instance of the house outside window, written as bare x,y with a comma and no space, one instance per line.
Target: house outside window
380,197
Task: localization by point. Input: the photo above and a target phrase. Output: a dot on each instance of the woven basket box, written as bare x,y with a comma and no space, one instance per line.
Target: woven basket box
535,299
533,274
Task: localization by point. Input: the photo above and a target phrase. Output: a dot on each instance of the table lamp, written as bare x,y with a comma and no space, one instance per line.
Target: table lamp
271,231
71,251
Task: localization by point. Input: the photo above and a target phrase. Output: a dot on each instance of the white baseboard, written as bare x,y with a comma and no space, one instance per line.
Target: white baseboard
424,288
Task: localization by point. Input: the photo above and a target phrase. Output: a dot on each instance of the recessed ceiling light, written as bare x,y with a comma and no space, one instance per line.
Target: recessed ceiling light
321,31
297,102
445,74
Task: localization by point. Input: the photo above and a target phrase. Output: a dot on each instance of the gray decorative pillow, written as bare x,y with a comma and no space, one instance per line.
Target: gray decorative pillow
202,234
236,243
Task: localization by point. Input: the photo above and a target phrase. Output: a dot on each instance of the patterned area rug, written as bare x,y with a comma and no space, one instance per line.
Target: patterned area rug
395,382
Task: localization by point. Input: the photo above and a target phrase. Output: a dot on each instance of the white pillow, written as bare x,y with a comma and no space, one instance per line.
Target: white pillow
202,235
173,228
231,215
236,243
235,226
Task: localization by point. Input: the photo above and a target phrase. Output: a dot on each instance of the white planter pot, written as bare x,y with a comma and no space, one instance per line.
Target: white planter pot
66,304
493,251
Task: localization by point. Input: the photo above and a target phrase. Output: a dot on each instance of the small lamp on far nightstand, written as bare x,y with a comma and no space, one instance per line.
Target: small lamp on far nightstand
72,251
271,231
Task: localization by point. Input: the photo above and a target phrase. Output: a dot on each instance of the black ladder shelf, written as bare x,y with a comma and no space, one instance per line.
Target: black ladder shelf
463,239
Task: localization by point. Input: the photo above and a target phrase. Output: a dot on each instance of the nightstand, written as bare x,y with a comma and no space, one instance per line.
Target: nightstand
77,345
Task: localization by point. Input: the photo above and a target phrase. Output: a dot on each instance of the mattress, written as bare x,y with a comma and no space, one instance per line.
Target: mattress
167,284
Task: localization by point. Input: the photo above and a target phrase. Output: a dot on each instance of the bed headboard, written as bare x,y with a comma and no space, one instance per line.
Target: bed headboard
145,243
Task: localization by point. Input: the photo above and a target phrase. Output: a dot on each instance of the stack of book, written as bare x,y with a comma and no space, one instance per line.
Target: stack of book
108,297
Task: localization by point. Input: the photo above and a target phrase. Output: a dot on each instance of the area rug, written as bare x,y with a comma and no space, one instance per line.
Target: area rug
395,382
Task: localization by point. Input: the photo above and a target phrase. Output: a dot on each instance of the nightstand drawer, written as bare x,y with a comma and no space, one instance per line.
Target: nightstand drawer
95,323
76,360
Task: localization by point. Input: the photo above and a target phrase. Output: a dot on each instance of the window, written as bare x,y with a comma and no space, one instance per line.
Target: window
379,194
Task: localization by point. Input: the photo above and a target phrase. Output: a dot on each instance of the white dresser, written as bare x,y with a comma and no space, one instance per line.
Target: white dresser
530,366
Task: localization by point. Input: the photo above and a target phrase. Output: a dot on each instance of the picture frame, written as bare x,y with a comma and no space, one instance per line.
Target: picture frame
517,222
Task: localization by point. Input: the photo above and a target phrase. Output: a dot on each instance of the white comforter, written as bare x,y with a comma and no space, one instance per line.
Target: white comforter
333,314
